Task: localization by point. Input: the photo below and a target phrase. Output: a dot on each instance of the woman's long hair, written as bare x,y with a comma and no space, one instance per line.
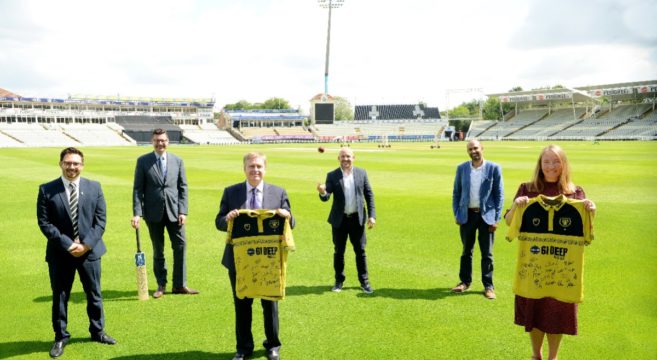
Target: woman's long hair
564,183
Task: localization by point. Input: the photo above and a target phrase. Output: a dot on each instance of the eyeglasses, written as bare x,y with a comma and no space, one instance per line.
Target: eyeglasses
72,163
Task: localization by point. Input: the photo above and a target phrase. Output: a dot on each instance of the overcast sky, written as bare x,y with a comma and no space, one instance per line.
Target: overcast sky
382,52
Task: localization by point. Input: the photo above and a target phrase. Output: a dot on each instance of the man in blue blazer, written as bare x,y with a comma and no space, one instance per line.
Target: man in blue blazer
477,202
160,195
352,208
254,193
71,215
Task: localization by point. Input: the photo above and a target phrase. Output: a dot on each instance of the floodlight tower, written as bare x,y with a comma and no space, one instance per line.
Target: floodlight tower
330,4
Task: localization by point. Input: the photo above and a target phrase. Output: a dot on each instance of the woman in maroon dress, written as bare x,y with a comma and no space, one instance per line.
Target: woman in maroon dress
547,316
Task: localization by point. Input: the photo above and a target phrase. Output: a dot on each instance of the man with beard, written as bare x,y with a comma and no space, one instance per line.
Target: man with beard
71,213
477,202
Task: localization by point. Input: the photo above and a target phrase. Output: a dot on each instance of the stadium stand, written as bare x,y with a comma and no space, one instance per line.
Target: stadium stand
208,134
395,112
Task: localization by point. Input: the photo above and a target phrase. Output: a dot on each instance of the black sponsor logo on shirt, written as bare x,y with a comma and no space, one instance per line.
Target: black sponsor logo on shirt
269,251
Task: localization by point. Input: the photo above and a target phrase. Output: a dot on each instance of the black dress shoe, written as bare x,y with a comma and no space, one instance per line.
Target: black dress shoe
272,354
337,287
103,339
240,356
367,288
57,348
184,290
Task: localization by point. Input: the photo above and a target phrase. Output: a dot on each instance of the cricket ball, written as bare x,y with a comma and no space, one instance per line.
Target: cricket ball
321,149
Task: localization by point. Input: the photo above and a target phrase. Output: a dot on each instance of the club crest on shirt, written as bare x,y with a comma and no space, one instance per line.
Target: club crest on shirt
536,221
274,224
247,227
565,221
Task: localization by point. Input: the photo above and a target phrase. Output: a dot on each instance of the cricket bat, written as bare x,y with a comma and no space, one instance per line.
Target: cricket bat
142,278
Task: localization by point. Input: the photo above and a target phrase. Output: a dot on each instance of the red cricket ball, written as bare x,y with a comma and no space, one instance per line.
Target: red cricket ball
321,149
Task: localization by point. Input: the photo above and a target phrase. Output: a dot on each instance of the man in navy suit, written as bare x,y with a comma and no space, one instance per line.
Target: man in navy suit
477,202
71,215
160,195
352,196
254,193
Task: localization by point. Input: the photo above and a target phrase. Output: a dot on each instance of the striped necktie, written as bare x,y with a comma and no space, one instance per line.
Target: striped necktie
73,205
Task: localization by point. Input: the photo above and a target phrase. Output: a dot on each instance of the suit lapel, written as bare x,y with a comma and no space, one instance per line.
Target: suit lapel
156,168
63,198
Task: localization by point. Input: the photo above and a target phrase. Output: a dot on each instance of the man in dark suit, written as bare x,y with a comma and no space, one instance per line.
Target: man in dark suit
352,196
71,215
477,201
159,195
252,194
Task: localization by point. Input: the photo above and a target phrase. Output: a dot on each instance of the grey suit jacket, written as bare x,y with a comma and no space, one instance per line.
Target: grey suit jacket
491,193
54,218
234,197
152,195
364,196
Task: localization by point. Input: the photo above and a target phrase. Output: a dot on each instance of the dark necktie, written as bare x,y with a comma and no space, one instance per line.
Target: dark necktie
254,199
73,205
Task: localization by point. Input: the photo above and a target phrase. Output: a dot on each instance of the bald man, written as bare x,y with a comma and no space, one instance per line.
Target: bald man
477,202
353,207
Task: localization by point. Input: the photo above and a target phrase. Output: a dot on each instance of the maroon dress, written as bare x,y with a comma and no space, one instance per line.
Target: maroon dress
547,314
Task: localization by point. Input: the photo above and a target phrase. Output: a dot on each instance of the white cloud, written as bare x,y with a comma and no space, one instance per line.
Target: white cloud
381,52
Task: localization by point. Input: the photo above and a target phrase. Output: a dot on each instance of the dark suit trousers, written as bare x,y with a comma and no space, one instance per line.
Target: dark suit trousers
62,274
476,228
351,228
243,316
177,237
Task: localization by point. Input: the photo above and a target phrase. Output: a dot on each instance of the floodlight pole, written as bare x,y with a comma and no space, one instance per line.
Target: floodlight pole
330,4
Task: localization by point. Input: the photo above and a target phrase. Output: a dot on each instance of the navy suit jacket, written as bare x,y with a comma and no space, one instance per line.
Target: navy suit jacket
364,196
234,197
491,194
54,218
152,195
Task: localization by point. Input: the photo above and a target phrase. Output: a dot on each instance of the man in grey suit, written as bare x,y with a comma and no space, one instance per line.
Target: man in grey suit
160,195
477,201
254,193
71,215
353,207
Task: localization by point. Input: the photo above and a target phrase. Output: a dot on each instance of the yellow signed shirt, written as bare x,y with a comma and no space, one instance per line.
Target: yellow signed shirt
552,233
261,241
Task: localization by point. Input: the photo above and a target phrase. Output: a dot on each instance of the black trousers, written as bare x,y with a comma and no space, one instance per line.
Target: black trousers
243,317
62,274
178,245
352,229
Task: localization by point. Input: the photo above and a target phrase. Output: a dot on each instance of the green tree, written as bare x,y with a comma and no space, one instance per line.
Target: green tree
240,105
516,89
460,111
491,110
343,109
276,103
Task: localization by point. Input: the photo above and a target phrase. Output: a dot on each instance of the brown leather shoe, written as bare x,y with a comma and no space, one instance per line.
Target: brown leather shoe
490,294
461,287
159,292
184,290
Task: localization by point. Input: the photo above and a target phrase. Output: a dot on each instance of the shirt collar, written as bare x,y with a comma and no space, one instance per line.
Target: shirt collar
158,156
483,163
259,187
67,182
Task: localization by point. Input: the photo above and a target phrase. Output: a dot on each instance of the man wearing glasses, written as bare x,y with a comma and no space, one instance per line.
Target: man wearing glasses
160,196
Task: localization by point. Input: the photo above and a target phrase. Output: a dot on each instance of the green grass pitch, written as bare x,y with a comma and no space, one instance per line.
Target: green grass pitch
413,255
